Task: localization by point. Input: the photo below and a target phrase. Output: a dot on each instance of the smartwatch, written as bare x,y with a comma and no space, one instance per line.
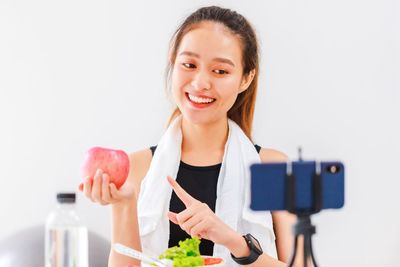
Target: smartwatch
255,251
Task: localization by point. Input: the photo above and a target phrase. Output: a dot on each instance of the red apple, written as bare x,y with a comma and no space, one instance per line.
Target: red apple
113,162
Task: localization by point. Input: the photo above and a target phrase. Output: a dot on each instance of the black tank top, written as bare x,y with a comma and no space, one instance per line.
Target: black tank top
201,183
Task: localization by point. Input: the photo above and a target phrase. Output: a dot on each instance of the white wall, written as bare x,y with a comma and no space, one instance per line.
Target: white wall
77,74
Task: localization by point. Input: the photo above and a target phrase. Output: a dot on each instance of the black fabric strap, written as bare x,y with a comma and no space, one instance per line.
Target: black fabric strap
254,251
153,150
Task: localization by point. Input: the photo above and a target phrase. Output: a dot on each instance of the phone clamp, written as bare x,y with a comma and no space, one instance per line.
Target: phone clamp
303,224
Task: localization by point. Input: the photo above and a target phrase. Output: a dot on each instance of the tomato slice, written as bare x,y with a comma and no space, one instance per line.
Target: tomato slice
212,261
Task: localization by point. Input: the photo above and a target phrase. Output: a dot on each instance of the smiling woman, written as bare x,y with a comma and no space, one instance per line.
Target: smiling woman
210,79
218,47
212,75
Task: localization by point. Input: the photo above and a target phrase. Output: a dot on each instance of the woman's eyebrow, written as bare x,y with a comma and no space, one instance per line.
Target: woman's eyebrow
218,59
188,53
224,60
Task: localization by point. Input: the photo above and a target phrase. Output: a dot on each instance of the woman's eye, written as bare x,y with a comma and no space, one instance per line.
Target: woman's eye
221,72
189,65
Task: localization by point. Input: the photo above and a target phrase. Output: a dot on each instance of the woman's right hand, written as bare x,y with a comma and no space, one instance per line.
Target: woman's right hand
99,189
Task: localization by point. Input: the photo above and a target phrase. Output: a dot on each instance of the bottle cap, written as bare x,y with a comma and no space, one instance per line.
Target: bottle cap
66,197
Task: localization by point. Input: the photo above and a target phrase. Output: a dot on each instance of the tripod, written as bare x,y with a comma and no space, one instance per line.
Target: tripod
303,224
303,227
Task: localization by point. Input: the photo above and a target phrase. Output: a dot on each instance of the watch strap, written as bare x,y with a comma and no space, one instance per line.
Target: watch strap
254,254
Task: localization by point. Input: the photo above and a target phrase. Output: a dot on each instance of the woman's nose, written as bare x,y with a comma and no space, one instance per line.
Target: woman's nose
201,81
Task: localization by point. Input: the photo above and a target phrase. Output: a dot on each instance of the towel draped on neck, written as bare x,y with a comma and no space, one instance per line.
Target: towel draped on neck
233,193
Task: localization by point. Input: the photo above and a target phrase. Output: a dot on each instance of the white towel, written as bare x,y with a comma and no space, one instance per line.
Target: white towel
233,193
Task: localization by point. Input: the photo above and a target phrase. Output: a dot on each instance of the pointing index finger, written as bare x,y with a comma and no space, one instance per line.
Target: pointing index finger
180,192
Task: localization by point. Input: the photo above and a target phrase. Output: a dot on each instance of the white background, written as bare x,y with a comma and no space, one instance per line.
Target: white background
77,74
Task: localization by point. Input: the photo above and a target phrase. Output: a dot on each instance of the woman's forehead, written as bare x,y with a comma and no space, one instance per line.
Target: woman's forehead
210,39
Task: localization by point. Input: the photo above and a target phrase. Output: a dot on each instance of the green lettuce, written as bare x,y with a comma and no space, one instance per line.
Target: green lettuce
187,254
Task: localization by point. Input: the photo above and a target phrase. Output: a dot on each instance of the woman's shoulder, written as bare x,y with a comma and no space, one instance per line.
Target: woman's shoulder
272,155
139,164
141,155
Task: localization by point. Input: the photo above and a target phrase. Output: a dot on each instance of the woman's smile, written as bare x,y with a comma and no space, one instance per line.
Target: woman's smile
199,101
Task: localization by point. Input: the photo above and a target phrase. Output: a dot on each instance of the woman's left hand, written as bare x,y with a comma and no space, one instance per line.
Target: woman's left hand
198,220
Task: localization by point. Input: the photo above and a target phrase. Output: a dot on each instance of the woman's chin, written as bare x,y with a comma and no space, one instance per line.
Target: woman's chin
200,116
198,119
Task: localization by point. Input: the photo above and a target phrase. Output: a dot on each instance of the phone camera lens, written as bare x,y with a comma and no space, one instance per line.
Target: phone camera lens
333,169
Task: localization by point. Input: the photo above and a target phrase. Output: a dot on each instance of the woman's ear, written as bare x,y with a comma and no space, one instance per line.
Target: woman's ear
246,80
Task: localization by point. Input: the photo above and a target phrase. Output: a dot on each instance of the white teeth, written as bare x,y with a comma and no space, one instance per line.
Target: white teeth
200,99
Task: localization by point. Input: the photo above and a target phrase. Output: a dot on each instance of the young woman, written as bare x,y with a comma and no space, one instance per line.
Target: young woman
195,181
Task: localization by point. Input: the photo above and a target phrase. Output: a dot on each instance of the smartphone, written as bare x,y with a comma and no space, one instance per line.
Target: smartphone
269,185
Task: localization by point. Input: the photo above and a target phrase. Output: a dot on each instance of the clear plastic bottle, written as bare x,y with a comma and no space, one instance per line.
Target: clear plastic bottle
66,238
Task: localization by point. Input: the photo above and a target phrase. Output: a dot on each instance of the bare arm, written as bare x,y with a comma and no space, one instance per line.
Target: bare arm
125,228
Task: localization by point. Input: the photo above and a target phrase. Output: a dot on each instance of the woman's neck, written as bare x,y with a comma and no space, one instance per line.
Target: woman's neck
204,139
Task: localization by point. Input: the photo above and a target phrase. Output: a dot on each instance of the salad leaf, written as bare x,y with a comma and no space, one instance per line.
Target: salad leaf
187,254
191,246
189,262
173,253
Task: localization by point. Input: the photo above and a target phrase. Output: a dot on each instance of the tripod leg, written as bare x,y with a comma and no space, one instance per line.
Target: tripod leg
305,252
294,251
312,254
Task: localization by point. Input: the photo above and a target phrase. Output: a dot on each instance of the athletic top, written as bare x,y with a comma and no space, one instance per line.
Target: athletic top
201,183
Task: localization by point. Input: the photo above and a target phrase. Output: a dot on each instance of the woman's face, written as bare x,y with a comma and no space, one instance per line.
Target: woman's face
207,73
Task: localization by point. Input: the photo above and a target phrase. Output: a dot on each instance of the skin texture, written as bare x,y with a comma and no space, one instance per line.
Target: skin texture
208,64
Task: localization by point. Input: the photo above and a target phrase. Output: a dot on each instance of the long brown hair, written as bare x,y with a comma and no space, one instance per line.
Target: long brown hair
242,111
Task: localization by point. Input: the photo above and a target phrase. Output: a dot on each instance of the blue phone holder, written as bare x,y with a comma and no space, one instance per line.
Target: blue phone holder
303,224
289,195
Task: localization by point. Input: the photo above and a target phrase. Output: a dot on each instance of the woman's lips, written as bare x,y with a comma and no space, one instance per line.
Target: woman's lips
199,105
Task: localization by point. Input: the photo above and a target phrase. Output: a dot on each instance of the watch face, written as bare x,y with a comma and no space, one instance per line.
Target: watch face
255,243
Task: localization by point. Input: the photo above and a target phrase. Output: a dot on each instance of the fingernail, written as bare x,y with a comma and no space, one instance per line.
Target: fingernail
98,172
104,177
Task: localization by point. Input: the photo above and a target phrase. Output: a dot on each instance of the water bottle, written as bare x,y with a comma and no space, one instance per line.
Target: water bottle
66,238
